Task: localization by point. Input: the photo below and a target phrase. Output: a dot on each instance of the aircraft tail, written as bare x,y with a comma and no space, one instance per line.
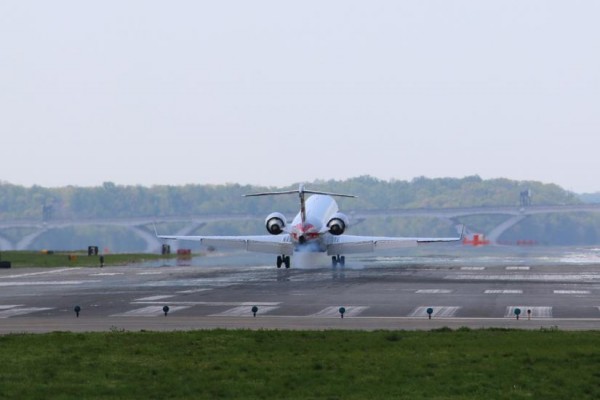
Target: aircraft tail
301,191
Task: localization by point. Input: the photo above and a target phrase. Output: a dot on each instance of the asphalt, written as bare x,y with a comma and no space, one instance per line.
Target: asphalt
554,289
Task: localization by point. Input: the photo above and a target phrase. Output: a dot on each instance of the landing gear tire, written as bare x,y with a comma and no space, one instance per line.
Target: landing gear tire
338,260
283,260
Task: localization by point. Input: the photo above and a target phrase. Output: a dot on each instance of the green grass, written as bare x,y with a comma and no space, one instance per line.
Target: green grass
219,364
78,259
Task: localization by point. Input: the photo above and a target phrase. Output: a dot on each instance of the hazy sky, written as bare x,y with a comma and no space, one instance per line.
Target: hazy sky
278,92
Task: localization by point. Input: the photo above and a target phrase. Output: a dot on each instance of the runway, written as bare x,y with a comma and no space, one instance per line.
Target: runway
553,288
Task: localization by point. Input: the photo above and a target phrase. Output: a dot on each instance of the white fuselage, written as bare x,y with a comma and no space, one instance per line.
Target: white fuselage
308,235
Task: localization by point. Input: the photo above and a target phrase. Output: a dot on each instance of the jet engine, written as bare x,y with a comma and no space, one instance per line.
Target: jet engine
338,224
275,223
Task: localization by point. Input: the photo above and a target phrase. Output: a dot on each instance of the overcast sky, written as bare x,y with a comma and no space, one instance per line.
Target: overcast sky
279,92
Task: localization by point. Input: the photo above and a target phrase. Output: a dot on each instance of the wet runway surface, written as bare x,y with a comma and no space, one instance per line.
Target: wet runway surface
478,288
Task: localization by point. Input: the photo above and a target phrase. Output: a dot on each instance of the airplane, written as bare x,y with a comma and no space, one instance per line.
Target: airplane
318,227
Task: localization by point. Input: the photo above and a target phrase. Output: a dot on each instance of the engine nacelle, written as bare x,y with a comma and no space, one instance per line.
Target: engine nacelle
275,223
338,224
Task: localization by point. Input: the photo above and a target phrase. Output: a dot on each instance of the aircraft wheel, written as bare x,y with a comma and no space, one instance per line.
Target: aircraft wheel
334,261
342,260
279,261
286,261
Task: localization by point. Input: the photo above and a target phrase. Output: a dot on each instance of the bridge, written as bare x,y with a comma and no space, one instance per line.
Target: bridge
142,227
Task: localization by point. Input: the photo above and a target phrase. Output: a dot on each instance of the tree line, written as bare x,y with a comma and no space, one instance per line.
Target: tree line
121,201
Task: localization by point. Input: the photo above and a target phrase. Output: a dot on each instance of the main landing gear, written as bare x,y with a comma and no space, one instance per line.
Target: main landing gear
338,260
281,260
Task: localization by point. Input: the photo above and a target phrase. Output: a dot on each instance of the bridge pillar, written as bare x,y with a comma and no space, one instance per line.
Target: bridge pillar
6,244
26,241
495,233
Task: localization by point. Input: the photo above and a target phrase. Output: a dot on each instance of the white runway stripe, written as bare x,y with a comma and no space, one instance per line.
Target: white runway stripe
155,298
107,274
572,292
149,311
472,268
334,311
245,311
150,273
438,311
44,283
53,271
21,311
194,291
433,291
6,307
536,312
514,268
528,277
503,291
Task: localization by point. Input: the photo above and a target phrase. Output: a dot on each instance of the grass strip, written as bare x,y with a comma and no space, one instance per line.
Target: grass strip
20,259
267,364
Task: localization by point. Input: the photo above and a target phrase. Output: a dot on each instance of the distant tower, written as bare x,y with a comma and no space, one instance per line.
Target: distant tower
526,198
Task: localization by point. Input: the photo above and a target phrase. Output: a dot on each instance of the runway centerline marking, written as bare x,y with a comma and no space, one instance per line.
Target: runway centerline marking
434,291
194,291
517,268
572,292
472,268
154,298
503,291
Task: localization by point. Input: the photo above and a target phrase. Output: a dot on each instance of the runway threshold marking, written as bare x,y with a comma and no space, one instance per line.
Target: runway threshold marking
334,311
438,311
536,312
17,310
149,311
244,311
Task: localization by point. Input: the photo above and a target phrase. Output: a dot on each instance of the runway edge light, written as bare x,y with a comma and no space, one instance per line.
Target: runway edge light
429,312
166,310
254,311
77,310
517,312
342,311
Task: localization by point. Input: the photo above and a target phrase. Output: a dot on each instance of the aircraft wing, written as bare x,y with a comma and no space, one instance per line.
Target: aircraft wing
348,244
270,244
